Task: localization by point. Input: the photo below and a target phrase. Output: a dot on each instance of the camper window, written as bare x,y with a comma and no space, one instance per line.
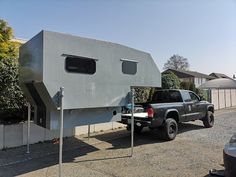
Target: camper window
80,65
129,67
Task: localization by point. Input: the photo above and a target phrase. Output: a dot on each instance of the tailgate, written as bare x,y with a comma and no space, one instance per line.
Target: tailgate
136,115
142,116
139,118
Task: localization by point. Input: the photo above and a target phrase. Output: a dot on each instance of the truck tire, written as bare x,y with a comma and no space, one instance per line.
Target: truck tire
169,129
137,129
208,121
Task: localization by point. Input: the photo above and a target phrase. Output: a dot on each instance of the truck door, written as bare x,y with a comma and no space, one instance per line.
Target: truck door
197,106
191,106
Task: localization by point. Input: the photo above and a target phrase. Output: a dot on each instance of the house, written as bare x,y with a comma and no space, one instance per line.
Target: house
190,76
219,75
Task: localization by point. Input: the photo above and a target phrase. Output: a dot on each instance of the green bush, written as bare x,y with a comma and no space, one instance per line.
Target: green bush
192,87
203,94
188,86
185,85
12,101
170,81
141,94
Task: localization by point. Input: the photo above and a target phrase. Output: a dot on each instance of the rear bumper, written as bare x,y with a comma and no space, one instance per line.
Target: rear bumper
145,122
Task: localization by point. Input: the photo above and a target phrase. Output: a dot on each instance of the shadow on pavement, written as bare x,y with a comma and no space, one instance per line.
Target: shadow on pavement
74,148
49,157
185,127
145,137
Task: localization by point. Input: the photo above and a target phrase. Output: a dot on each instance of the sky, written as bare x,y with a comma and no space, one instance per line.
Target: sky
203,31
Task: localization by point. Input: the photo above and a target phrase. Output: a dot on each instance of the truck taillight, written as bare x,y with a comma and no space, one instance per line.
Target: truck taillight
150,112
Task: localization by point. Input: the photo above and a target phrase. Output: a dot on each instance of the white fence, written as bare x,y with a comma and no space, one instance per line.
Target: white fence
16,135
223,98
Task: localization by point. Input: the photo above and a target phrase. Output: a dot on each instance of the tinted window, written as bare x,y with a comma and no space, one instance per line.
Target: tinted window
160,97
129,67
80,65
193,96
167,96
175,96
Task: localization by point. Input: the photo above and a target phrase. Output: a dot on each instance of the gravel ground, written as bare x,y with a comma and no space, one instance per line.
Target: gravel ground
191,154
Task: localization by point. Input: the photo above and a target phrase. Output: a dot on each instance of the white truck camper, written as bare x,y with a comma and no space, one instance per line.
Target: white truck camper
96,75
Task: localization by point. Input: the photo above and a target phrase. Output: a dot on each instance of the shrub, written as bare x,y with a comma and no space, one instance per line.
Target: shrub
12,101
170,81
141,94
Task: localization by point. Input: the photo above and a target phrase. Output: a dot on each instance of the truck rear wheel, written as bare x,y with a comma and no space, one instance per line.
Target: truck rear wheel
169,129
208,121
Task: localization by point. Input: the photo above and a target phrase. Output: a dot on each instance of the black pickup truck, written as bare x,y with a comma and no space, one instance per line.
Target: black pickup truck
168,108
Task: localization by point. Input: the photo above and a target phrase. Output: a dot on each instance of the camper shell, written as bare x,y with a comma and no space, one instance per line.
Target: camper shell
96,75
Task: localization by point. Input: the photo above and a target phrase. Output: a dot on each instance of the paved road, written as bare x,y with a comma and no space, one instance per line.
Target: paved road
192,153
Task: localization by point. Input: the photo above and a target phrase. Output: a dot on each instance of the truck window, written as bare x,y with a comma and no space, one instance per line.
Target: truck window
175,96
160,97
166,96
186,96
193,96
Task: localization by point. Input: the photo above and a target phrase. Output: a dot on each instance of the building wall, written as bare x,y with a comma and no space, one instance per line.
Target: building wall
16,135
214,98
223,98
196,80
187,79
199,81
233,92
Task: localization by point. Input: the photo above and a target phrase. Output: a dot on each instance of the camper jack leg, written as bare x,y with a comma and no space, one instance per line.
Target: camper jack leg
88,132
28,128
61,131
132,122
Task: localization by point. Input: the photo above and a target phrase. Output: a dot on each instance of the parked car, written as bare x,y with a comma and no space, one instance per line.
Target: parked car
166,109
229,154
230,157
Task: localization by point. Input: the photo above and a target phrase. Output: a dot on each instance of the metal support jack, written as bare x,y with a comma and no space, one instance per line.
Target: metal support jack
28,128
61,130
218,98
88,132
132,121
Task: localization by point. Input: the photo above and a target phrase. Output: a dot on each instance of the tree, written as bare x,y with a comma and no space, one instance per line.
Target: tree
8,49
188,86
185,85
177,62
203,94
12,101
170,81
